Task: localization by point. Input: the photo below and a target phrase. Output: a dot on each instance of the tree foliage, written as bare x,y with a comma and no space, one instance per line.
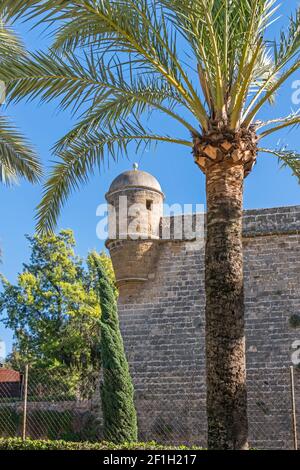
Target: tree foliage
114,62
53,309
117,392
17,158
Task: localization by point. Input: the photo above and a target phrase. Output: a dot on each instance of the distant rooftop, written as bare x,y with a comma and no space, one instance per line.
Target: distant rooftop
7,375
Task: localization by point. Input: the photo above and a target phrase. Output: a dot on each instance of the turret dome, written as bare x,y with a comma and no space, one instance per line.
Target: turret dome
134,179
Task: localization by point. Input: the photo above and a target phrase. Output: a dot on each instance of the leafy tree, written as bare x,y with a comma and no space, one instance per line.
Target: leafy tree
117,60
117,392
54,311
17,158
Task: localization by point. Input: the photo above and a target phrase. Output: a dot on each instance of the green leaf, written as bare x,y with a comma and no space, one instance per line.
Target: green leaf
114,62
81,156
287,159
17,159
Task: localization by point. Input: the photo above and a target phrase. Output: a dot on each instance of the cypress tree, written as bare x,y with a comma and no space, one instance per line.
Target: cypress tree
117,392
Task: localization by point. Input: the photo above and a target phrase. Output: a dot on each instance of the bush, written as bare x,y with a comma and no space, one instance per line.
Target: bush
295,321
18,444
117,391
10,421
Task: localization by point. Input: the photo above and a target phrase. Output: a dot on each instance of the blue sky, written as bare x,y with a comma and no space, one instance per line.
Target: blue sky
182,182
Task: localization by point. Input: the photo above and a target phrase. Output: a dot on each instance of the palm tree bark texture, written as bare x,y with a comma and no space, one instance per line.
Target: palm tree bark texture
226,158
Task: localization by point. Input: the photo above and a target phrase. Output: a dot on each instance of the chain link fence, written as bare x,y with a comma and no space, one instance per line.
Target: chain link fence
43,404
272,407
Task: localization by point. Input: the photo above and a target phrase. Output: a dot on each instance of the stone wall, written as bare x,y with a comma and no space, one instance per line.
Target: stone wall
162,321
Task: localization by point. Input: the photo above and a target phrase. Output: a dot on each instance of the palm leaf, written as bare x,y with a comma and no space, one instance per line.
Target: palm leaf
80,159
17,159
110,92
10,43
286,54
135,27
117,61
287,159
292,120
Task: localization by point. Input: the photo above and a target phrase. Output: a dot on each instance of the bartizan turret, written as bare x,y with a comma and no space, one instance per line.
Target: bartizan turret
135,210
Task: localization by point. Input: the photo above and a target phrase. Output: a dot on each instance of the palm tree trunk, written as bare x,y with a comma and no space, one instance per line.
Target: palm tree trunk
225,338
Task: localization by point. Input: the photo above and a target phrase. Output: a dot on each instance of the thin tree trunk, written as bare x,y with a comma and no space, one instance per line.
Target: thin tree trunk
225,339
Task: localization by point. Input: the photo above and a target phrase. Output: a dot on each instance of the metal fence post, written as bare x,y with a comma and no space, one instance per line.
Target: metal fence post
25,395
294,414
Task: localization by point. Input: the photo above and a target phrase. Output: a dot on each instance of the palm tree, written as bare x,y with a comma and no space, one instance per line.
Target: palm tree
208,65
17,159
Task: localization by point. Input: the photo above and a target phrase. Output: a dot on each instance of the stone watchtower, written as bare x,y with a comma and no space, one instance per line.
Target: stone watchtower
161,310
135,210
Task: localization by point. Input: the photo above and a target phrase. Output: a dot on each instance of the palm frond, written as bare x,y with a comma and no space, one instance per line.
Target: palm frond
261,74
10,44
267,90
136,27
88,81
288,46
81,158
109,114
195,22
115,61
287,159
252,54
14,9
226,39
286,63
293,120
17,159
110,92
48,76
7,175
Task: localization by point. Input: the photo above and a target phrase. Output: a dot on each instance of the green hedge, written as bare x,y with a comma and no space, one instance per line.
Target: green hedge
10,421
18,444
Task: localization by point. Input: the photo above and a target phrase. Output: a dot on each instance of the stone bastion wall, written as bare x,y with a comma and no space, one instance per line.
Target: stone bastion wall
162,322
